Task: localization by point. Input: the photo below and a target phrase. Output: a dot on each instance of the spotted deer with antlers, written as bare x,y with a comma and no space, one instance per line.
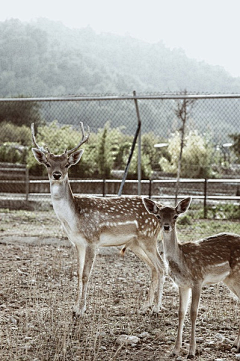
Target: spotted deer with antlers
92,222
193,265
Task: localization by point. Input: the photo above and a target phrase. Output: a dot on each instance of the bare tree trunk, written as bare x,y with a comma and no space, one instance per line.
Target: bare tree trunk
183,114
182,129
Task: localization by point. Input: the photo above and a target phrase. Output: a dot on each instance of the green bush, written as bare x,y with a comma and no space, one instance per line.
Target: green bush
10,133
196,157
185,220
13,153
14,143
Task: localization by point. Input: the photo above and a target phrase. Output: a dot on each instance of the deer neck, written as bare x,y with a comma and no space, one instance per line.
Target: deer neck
63,201
171,246
174,257
60,190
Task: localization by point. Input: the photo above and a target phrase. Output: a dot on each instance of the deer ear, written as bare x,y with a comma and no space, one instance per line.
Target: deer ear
75,157
40,156
183,205
150,205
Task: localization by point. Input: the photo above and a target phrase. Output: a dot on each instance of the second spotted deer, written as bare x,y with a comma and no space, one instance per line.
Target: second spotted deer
196,264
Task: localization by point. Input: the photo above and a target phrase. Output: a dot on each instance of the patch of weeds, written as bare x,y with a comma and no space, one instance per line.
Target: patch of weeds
226,211
185,219
231,210
25,216
4,210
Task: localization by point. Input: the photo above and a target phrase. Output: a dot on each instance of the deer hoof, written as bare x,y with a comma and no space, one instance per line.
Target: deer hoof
174,353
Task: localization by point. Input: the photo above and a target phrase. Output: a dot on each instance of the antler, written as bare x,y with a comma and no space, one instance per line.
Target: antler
68,152
34,141
83,140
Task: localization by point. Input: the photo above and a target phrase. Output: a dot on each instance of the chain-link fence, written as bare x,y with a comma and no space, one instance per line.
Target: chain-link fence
182,136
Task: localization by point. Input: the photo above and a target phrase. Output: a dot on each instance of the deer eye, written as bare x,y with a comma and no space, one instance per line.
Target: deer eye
67,165
175,217
48,165
158,216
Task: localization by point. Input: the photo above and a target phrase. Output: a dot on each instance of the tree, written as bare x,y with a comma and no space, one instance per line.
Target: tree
14,142
20,112
15,134
146,169
183,113
104,156
196,156
149,140
236,145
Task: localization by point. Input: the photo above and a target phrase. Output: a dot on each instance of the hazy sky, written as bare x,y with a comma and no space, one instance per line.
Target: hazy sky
207,30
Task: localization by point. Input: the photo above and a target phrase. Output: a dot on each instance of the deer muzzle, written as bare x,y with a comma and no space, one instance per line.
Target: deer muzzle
57,175
166,227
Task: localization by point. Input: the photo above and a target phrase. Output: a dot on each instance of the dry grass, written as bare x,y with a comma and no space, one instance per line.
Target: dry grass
38,288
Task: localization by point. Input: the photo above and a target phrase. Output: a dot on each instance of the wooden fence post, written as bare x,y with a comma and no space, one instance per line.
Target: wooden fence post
205,199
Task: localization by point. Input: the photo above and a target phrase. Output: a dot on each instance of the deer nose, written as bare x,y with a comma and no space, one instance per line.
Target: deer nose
166,227
57,175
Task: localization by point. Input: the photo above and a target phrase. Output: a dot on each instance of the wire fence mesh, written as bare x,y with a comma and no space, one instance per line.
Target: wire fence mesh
204,127
210,171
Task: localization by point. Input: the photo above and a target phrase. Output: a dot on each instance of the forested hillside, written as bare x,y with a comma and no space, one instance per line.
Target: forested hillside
45,58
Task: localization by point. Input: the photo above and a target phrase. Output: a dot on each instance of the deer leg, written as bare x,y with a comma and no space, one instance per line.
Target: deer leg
88,265
140,254
196,292
157,268
161,279
86,256
81,251
237,342
183,304
233,285
157,275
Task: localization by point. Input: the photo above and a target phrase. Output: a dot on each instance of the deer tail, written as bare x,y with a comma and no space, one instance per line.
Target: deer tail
122,252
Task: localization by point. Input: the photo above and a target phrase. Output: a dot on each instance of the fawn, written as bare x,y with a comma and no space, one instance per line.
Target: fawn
196,264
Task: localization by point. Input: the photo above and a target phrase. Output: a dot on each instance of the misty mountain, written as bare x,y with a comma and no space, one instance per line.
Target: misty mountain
45,58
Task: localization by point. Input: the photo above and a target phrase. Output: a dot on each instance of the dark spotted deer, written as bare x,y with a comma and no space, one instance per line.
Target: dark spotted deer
92,222
196,264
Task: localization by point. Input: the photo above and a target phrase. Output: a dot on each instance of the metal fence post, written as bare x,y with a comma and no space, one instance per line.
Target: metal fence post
132,150
139,144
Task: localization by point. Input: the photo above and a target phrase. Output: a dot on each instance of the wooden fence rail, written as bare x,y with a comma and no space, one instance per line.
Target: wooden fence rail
205,190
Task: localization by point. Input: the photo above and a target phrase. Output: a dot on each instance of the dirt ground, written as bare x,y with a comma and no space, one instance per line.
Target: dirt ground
38,289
